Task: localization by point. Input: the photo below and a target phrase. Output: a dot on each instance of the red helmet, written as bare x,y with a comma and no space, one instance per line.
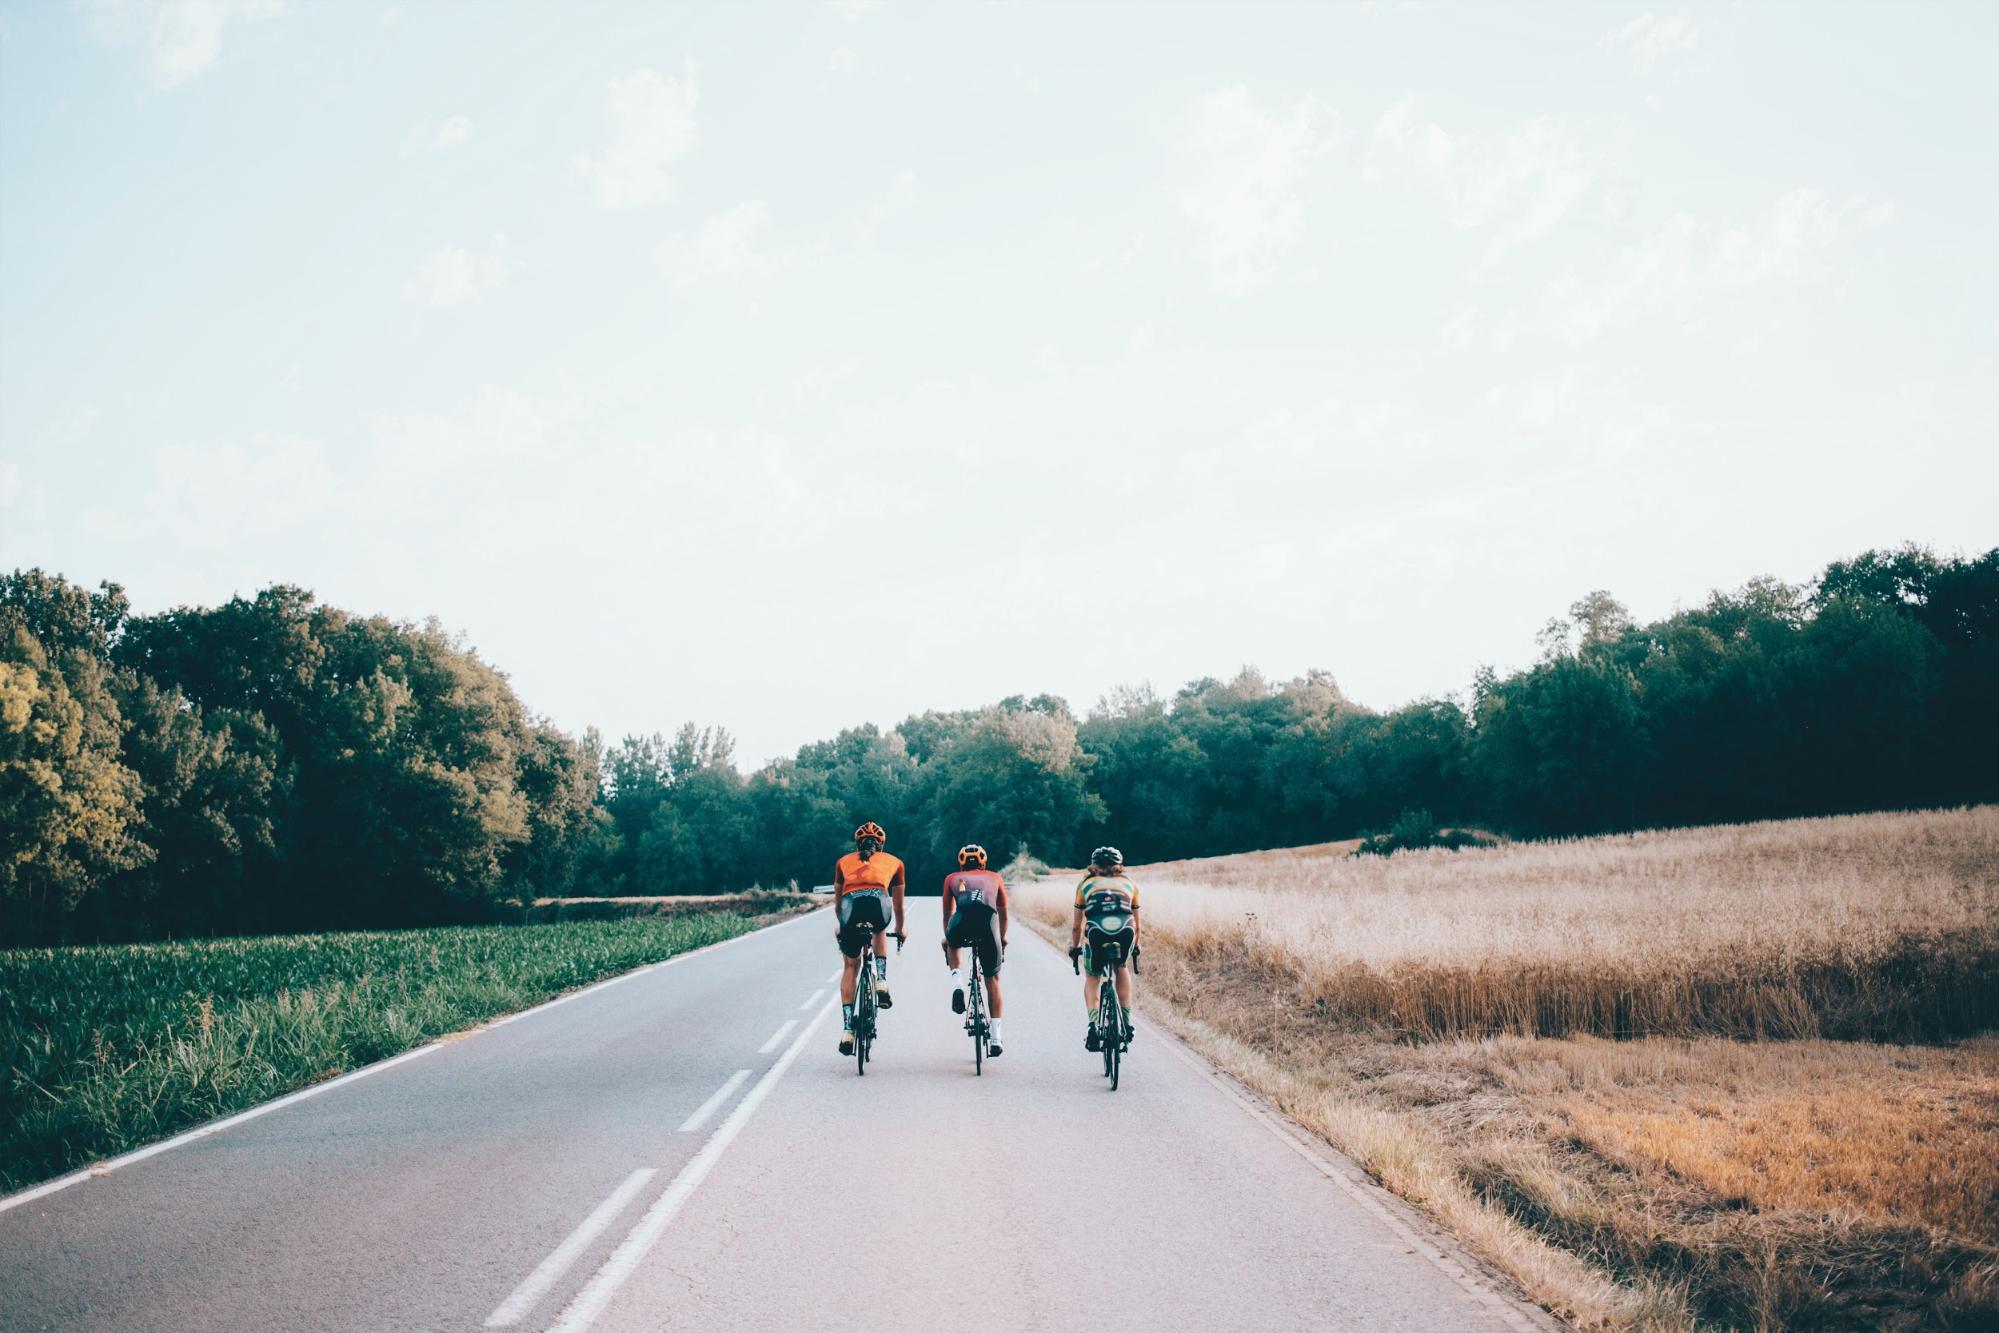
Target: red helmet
971,852
870,830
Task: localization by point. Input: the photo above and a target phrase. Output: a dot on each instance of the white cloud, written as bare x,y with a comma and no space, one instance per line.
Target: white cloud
1652,40
901,197
651,121
1674,268
451,133
726,247
212,498
183,38
1461,330
843,61
1243,187
453,275
818,382
11,485
1517,186
855,10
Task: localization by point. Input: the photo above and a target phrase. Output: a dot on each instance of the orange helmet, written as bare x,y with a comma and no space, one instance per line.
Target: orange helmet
971,852
870,830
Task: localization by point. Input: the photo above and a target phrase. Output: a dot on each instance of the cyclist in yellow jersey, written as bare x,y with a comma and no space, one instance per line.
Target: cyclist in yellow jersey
1107,904
865,882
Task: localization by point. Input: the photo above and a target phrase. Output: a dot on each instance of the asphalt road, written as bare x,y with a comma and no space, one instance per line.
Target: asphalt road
684,1148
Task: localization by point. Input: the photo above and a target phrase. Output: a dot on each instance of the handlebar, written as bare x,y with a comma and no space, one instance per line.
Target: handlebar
1076,961
898,936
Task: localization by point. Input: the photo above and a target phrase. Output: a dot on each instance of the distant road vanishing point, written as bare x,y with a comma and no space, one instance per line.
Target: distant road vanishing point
682,1147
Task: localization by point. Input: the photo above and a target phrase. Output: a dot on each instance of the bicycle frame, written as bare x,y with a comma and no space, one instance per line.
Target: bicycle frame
975,1015
1110,1016
864,1009
865,1006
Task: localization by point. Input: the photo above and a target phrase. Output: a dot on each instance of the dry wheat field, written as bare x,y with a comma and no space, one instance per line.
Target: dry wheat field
1716,1077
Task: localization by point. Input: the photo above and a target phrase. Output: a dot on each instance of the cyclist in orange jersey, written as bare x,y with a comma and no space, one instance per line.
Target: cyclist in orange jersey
975,918
866,881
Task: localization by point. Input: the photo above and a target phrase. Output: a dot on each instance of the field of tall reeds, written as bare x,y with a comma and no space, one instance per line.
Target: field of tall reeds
110,1047
1715,1077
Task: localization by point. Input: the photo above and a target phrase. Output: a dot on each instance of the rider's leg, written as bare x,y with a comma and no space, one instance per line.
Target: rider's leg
993,995
850,971
1124,991
881,970
952,956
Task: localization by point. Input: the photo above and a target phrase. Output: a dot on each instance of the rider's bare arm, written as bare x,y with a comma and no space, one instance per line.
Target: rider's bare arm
1076,930
895,888
839,882
948,897
1002,909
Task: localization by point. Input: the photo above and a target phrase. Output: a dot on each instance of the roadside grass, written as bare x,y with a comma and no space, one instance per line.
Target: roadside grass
1604,1064
108,1048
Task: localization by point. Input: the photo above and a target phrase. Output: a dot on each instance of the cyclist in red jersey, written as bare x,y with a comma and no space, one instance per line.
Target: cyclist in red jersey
975,918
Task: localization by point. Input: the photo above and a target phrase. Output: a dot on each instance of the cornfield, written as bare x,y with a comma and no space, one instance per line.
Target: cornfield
107,1048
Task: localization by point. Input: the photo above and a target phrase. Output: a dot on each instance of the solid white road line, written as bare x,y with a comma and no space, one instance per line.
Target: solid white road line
214,1127
105,1168
777,1037
590,1302
551,1269
813,998
714,1103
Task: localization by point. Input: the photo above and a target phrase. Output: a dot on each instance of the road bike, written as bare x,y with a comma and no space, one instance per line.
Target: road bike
1112,1020
865,1005
975,1015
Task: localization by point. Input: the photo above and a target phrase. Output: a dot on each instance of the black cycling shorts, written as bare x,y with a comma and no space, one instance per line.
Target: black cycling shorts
1104,950
975,926
863,915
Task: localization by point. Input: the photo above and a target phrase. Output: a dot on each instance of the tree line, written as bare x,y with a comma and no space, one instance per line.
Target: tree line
274,764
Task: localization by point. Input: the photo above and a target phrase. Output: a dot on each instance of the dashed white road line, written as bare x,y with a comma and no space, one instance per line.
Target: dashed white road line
777,1037
590,1302
714,1103
551,1269
836,975
812,999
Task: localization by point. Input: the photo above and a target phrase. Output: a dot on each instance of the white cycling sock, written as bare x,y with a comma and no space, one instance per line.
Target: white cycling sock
996,1029
954,976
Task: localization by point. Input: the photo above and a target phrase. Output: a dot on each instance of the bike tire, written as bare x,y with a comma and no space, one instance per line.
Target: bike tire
1108,1021
864,1022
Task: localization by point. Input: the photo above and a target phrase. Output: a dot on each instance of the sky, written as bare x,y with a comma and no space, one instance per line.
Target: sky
792,367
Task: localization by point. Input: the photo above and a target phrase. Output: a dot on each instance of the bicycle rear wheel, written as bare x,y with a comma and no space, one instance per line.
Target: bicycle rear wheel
864,1019
1110,1023
975,1018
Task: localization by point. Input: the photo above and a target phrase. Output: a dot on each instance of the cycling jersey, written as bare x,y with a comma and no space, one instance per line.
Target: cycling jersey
878,873
1103,887
1107,901
980,886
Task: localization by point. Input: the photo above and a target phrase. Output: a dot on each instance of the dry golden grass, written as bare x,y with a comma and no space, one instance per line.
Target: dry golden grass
1400,1007
1859,926
1898,1134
